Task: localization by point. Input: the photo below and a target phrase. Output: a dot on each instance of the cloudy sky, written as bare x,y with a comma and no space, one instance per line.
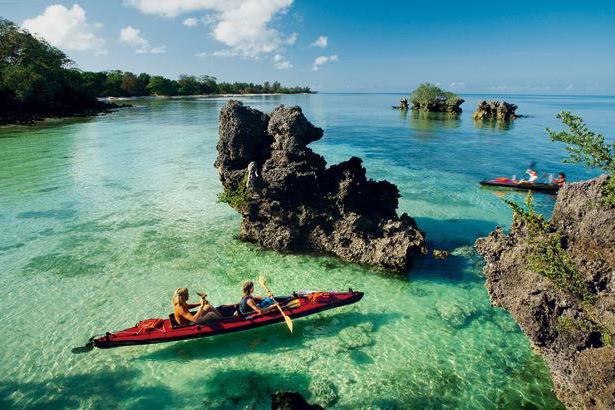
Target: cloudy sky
533,46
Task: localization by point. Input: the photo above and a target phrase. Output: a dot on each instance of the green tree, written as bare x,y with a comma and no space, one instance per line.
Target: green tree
188,85
130,85
588,147
429,97
159,85
36,77
142,81
113,86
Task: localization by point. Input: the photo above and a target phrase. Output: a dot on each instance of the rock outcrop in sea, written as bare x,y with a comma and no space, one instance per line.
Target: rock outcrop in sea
573,330
495,110
286,400
291,201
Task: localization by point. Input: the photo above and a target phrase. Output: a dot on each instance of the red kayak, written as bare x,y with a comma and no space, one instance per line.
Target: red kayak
167,330
525,185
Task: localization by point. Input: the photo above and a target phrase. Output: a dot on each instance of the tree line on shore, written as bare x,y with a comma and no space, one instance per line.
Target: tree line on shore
38,80
118,83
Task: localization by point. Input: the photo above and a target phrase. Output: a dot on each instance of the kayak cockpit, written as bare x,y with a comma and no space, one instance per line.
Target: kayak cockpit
229,313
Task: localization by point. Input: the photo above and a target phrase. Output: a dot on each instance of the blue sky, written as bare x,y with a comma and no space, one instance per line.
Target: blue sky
536,47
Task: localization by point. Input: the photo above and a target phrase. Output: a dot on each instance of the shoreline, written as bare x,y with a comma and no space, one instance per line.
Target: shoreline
112,98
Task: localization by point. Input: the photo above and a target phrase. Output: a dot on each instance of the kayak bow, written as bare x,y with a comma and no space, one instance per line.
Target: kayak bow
150,331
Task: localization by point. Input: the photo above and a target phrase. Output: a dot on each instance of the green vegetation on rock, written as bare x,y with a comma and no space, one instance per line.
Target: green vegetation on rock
429,97
547,256
588,147
237,198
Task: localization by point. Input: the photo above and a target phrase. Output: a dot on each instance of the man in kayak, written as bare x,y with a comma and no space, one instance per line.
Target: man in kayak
560,180
181,308
533,175
250,303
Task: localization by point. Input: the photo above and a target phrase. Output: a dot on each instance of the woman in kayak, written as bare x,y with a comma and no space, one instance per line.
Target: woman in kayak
181,308
250,303
560,180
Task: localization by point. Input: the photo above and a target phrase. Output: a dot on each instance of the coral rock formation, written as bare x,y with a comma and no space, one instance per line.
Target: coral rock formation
283,400
290,200
495,110
574,334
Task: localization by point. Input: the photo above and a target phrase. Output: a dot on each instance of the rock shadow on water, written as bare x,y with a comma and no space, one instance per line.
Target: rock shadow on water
100,389
272,339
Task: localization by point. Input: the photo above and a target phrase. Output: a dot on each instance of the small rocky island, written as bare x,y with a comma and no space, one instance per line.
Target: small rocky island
495,110
557,279
430,98
291,201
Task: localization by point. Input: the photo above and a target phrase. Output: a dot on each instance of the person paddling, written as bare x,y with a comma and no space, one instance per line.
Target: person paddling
533,175
250,303
181,308
560,180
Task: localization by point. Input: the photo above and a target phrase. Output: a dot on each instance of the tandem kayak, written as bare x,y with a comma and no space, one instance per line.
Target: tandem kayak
167,330
532,186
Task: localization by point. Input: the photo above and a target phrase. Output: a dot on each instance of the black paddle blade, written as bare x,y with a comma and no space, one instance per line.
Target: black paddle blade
83,349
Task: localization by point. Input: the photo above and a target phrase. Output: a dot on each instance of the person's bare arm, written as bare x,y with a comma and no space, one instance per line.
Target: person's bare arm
193,305
185,313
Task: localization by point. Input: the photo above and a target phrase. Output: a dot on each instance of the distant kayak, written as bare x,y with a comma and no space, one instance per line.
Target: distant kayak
150,331
531,186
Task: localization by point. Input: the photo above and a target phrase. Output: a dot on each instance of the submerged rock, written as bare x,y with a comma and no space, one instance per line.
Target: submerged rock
495,110
574,333
286,400
440,254
291,201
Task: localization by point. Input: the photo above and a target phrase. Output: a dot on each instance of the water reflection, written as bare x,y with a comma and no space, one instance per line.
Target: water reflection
495,124
426,121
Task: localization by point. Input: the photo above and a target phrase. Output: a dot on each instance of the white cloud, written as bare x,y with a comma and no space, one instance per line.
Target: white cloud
291,39
241,25
191,22
132,37
281,63
323,60
321,42
67,29
457,84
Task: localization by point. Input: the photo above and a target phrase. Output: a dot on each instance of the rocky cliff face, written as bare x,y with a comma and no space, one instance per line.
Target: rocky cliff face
574,334
495,110
290,200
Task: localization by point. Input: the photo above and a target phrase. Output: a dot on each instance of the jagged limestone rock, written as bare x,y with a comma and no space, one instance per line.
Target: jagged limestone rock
297,203
495,110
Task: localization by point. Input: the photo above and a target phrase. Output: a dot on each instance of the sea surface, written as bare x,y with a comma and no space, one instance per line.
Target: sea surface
102,218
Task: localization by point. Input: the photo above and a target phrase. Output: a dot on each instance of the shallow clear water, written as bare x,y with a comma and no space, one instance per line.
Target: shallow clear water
101,219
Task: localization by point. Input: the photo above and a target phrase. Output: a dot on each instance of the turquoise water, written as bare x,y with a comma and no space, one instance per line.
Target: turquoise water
101,219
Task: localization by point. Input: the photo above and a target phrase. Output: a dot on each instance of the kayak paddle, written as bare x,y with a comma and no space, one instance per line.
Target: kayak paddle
289,322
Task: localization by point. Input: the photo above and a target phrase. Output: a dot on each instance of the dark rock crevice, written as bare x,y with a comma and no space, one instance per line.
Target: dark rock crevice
296,203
